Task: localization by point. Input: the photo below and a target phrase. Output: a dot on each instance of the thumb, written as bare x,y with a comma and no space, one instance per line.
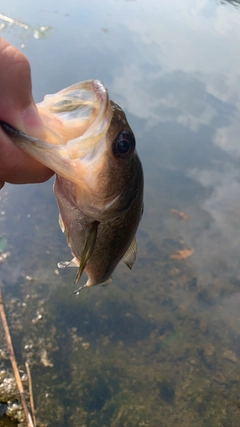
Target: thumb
16,102
17,108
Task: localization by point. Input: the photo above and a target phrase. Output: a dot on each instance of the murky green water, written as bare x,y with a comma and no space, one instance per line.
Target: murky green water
161,345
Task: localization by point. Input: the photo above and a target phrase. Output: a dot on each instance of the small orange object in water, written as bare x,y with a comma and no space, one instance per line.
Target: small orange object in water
180,215
184,253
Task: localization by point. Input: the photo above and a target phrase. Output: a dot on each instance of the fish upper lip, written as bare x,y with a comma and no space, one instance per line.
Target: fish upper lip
98,127
99,89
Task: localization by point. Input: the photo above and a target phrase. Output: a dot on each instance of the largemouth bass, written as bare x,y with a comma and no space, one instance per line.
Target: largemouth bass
99,179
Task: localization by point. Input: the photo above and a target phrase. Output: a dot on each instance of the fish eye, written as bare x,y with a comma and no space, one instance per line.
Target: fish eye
124,145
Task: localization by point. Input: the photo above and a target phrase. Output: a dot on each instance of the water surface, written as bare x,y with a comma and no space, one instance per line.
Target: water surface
159,346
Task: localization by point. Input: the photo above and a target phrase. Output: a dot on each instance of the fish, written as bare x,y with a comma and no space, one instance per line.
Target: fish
99,182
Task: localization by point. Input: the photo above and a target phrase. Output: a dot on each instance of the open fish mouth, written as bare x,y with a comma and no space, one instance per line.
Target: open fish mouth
75,120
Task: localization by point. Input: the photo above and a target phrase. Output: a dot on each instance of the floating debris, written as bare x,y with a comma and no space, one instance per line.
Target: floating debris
86,345
37,319
180,215
38,33
29,278
45,360
230,355
4,256
183,253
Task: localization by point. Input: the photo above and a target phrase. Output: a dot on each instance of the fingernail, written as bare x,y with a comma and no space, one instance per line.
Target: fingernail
32,121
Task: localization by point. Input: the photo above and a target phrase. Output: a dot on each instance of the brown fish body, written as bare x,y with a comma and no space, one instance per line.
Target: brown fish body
114,236
99,177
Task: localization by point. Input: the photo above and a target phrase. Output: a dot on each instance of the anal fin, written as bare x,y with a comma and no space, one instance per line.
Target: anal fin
88,285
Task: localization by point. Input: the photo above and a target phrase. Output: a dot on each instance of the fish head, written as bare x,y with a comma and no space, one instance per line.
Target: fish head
108,172
89,144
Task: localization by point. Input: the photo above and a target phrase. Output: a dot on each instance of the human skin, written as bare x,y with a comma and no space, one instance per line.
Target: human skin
17,108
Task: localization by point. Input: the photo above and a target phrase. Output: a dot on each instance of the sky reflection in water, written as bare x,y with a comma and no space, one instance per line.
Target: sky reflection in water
174,68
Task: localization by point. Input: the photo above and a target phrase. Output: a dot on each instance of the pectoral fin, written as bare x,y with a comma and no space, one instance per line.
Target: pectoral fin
60,222
73,263
63,228
90,239
129,257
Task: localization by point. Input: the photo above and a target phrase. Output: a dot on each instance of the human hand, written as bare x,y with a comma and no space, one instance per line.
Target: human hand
17,108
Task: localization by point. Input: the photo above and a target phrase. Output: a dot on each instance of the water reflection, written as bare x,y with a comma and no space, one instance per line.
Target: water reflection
160,346
37,32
